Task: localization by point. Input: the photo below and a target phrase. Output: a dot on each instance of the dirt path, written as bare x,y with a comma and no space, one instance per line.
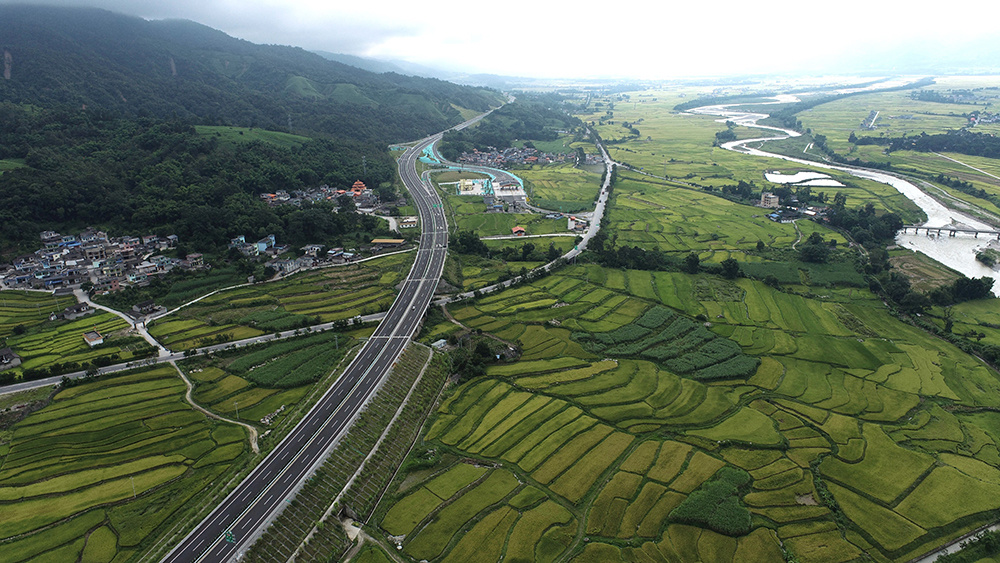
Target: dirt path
363,537
190,400
800,235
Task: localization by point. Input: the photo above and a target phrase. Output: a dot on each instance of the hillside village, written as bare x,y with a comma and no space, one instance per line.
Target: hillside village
364,198
110,264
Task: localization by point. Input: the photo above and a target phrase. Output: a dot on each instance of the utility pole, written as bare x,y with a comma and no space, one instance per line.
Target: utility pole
131,478
237,403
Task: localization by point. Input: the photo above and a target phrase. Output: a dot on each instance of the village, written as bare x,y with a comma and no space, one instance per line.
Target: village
100,263
364,198
524,156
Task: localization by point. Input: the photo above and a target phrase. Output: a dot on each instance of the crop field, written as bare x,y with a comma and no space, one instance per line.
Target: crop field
62,341
647,213
783,417
29,308
561,187
470,272
267,378
105,467
304,299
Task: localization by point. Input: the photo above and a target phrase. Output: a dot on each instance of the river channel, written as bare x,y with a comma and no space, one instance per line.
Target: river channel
958,252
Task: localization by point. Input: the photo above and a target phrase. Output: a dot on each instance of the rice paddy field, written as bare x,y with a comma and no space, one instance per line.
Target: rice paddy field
647,213
29,308
42,343
268,379
106,467
304,299
561,187
62,341
674,417
468,272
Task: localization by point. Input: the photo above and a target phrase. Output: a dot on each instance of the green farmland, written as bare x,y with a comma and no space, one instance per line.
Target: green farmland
28,308
609,426
562,187
304,299
268,378
106,467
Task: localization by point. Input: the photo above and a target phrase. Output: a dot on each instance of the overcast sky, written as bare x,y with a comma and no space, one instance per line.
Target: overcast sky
542,38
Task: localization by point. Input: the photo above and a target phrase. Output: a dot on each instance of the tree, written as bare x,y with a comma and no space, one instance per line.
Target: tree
815,238
526,251
730,268
552,253
346,203
692,263
815,253
914,303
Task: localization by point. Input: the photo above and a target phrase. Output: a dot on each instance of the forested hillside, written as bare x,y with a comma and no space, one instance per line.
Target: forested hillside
100,61
152,176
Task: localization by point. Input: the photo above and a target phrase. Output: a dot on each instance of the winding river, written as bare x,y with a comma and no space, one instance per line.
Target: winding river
957,252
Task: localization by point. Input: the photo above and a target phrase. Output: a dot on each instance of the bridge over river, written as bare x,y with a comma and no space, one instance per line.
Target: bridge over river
952,231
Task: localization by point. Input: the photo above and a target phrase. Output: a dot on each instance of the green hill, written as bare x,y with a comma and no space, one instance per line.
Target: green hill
127,66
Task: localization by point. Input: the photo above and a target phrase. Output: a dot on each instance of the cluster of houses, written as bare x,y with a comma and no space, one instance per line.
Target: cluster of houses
314,256
266,246
513,156
983,117
364,198
868,123
787,214
91,256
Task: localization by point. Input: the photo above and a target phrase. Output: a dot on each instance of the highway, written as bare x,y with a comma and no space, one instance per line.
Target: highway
231,528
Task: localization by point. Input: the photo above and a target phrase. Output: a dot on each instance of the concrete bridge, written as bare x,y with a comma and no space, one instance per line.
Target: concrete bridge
951,231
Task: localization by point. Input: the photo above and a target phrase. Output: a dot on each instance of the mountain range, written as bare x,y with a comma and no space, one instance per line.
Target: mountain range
101,61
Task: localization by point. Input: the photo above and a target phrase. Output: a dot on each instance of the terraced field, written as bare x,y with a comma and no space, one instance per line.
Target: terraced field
105,467
304,299
62,342
837,438
271,378
29,308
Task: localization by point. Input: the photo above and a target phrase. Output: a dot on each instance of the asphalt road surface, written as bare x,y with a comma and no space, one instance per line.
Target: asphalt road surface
246,511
